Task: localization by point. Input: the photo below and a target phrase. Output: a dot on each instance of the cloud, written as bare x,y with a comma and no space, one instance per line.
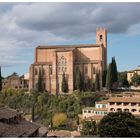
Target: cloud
23,26
70,19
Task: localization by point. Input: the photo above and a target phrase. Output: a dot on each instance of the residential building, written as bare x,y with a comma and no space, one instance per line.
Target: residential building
131,73
96,113
15,81
12,124
113,104
53,61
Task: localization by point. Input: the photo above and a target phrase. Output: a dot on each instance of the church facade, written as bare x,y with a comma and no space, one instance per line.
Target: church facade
56,60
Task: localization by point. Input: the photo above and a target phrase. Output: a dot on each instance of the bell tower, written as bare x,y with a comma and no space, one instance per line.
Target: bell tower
101,38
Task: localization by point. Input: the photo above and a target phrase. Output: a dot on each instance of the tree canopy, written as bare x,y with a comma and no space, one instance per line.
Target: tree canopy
119,124
122,78
59,119
0,80
135,79
89,128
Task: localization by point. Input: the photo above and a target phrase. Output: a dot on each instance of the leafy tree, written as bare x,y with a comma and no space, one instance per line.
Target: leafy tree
119,124
135,79
97,82
89,128
109,81
0,80
104,78
40,84
64,84
122,78
78,80
59,119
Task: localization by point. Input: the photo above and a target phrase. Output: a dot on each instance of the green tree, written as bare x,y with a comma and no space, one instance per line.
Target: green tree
114,71
109,77
122,78
0,80
104,78
119,124
59,119
33,114
64,84
78,80
39,83
135,79
89,128
97,82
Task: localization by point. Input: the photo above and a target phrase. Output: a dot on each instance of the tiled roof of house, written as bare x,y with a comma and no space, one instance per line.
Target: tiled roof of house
67,46
21,129
102,102
125,99
89,108
95,117
6,113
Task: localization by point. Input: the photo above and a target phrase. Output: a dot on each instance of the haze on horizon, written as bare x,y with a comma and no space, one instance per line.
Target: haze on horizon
24,26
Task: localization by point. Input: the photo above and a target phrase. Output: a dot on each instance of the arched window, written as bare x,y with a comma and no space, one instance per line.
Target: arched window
62,64
101,38
126,110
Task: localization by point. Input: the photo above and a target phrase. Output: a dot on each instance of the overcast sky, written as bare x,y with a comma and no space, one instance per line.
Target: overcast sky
24,26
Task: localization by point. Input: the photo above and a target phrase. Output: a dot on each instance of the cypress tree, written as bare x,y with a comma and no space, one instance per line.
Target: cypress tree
114,70
97,82
39,84
33,114
78,80
0,80
109,77
104,78
64,84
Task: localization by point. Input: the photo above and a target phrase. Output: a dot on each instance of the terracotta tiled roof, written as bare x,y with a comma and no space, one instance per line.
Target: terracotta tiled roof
67,46
125,99
89,108
102,102
95,117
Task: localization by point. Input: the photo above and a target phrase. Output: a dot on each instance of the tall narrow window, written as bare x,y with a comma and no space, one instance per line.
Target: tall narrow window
94,71
62,64
50,69
35,71
86,70
101,38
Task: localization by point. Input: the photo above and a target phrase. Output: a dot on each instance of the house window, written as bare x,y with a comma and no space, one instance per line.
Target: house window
126,110
89,111
133,110
133,104
119,103
125,104
112,103
119,109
